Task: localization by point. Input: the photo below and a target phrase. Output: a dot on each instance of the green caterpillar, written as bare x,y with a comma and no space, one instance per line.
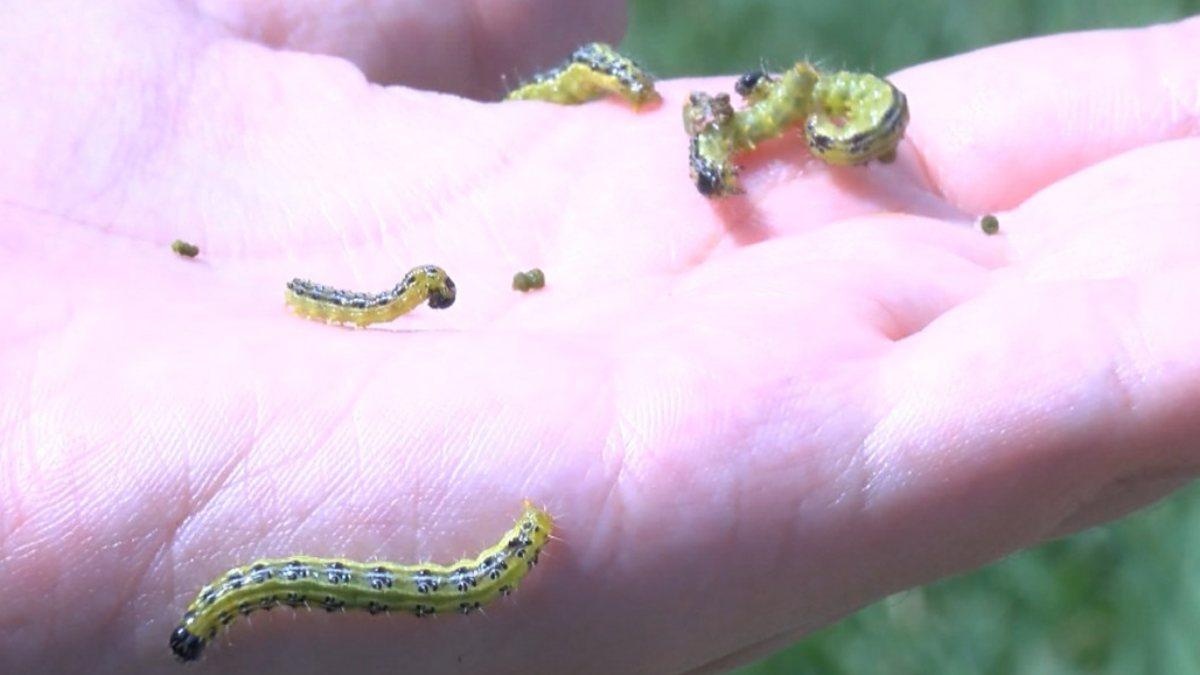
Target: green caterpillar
332,305
591,72
377,587
848,119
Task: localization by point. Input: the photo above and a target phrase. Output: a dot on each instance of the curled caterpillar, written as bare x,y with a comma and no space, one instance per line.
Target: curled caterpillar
377,587
592,71
858,118
527,281
847,118
314,301
185,249
989,224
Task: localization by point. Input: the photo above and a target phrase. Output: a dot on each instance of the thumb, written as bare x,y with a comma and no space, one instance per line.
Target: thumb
467,47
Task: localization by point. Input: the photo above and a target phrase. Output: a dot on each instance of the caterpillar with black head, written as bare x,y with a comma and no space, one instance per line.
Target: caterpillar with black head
334,584
847,119
324,303
590,72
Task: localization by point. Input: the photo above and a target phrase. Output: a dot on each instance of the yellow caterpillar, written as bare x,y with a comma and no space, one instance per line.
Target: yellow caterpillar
323,303
848,118
592,71
377,587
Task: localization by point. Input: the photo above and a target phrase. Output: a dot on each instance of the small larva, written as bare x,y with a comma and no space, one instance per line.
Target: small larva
185,249
527,281
377,587
989,224
323,303
848,118
592,71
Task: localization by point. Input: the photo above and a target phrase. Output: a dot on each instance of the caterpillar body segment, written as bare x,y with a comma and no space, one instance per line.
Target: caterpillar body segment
858,118
592,71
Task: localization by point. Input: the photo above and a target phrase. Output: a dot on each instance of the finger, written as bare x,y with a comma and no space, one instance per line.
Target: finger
997,125
1132,214
1014,417
468,46
1121,497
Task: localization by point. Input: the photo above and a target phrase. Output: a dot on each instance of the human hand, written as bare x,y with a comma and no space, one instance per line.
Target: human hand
749,417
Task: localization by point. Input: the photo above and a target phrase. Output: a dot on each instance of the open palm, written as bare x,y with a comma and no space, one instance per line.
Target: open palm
749,416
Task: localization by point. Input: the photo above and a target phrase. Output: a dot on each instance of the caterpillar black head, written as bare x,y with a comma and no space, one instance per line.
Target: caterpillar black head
712,179
750,84
186,645
443,295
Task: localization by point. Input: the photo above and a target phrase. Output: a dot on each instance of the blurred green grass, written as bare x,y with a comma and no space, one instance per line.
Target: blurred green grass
708,37
1122,599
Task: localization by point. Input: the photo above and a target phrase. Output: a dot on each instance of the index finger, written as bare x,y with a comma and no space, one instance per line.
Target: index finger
995,126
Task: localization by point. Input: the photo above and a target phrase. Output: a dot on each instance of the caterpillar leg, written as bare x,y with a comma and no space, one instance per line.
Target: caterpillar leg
593,71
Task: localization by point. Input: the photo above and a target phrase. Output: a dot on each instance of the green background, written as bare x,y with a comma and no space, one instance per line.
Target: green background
1118,599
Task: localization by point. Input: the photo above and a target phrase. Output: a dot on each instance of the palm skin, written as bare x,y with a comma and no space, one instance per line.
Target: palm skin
749,417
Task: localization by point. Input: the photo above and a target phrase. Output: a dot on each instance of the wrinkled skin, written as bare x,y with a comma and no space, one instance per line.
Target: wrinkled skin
750,417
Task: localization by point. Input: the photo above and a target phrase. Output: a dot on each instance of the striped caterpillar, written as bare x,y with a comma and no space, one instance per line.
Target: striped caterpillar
590,72
314,301
848,119
377,587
